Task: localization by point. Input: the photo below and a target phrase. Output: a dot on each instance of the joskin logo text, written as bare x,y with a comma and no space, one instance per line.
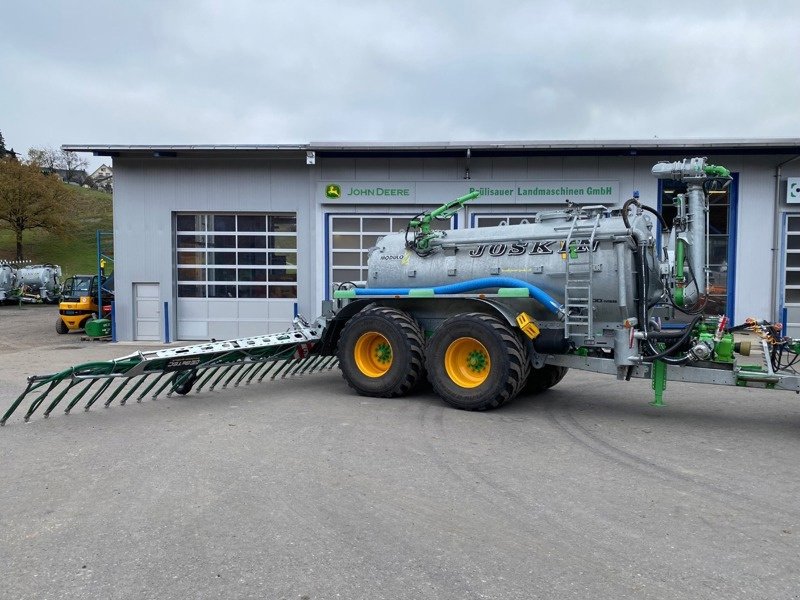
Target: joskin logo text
520,248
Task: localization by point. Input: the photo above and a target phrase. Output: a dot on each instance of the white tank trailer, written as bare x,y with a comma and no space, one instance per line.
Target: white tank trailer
485,314
39,282
8,281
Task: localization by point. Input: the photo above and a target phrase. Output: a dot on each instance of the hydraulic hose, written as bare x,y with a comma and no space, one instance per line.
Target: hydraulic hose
472,285
658,215
626,208
664,354
655,354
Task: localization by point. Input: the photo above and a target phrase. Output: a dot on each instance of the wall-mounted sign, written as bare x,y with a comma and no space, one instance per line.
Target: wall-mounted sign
491,192
793,190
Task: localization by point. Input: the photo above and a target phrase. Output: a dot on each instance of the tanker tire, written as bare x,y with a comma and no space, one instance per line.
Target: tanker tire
407,343
61,327
508,364
543,379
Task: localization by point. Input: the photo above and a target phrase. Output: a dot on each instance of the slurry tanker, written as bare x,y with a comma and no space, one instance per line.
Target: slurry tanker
485,314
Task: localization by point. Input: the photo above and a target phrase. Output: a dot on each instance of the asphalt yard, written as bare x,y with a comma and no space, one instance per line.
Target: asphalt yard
300,489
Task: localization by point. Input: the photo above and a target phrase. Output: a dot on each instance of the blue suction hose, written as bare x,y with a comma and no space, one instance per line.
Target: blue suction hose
472,285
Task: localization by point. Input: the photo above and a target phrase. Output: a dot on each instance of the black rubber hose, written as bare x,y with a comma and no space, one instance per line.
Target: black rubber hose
639,260
626,207
657,214
665,353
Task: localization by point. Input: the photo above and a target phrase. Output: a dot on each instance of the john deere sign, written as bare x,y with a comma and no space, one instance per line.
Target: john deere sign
333,191
491,192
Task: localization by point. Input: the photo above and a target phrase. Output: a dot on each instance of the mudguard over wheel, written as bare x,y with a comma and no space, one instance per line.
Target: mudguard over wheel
476,361
381,352
542,379
61,327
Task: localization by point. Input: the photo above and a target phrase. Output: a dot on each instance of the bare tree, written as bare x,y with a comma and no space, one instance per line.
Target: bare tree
68,165
74,165
44,158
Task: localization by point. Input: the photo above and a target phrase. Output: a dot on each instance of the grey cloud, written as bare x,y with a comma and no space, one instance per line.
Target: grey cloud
249,72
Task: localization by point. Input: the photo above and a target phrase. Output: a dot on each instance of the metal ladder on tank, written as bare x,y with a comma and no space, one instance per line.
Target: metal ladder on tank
578,292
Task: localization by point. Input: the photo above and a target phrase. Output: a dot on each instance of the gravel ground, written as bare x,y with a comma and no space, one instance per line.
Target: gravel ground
300,489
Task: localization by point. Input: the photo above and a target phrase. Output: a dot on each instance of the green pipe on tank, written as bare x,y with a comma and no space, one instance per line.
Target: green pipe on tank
716,171
445,211
679,260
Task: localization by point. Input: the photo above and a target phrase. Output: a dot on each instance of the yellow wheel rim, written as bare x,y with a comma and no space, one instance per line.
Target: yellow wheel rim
467,362
373,354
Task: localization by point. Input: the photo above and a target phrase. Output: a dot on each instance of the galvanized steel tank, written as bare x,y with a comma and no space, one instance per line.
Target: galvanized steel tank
532,252
40,278
8,279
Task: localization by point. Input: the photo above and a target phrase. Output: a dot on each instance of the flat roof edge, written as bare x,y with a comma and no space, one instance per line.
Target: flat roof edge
434,147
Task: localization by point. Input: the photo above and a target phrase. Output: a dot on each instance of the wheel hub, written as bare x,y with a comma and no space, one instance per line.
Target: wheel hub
373,354
467,362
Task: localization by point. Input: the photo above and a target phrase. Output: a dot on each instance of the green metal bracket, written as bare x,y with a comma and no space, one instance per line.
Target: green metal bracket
659,373
421,293
573,250
513,292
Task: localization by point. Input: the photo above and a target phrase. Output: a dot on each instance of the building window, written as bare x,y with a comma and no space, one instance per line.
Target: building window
236,255
351,237
791,274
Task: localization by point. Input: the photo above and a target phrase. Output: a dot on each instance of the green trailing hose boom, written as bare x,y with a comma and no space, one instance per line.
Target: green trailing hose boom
178,370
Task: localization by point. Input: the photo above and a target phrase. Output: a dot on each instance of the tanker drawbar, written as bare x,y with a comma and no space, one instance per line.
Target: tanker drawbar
485,314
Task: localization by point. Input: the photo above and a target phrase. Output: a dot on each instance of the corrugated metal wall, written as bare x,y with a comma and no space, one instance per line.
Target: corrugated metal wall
148,192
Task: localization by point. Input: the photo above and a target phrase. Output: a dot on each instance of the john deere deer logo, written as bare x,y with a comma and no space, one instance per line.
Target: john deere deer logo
333,191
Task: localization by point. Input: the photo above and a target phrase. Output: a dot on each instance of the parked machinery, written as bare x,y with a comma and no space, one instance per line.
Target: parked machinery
485,314
8,281
39,283
79,299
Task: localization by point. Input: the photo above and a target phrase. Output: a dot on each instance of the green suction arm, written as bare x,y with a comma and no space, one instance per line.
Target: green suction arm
422,224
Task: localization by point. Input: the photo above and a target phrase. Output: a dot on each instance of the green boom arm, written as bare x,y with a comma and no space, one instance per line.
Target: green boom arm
422,224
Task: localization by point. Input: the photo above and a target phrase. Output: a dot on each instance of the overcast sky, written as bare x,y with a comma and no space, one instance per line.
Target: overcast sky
222,72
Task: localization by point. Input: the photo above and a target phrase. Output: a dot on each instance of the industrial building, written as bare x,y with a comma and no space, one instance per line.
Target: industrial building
230,241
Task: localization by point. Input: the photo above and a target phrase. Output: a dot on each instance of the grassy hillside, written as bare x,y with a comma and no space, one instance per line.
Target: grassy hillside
77,251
